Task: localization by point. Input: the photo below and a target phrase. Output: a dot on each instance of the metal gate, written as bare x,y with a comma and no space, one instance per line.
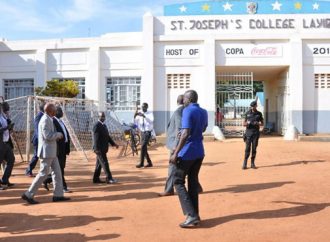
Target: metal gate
234,92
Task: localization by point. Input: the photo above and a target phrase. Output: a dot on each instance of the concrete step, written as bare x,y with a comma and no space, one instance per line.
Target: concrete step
315,138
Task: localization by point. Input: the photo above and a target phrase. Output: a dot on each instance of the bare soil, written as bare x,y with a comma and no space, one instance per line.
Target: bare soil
286,199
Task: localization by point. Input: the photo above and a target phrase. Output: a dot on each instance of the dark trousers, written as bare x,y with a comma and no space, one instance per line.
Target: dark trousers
102,163
9,157
169,185
251,140
62,162
188,199
144,147
33,161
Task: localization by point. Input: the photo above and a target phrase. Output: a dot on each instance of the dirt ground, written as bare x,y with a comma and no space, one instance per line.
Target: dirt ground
286,199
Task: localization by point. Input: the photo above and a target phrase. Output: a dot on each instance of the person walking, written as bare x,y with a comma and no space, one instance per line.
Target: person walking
101,140
172,139
145,122
253,120
6,145
63,147
47,152
34,160
188,157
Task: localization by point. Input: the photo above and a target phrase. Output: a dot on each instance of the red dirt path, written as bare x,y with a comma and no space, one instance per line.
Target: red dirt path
286,199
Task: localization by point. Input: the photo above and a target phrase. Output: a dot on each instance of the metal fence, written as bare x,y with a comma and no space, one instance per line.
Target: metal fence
80,114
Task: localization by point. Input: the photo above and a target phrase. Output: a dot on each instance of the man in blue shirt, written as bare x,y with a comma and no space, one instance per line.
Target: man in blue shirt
188,157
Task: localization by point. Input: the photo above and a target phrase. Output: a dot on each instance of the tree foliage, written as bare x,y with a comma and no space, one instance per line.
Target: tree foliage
258,86
55,88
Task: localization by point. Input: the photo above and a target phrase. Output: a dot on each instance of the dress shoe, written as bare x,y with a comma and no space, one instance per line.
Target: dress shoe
60,199
149,165
253,166
98,181
8,184
244,168
29,174
165,194
45,185
66,190
190,222
29,200
139,166
112,181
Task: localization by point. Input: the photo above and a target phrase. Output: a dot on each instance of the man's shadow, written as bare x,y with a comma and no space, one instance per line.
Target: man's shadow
59,237
250,187
30,223
294,163
298,210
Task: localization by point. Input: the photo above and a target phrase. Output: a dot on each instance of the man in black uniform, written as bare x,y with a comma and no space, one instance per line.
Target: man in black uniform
253,121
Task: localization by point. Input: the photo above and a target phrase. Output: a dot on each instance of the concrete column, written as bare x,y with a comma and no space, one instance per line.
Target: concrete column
95,88
41,68
207,93
147,85
296,83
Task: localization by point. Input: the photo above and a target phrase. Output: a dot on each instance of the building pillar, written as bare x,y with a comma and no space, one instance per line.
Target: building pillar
95,88
147,83
296,83
207,93
41,68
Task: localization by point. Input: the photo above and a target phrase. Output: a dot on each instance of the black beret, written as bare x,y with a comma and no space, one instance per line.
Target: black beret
252,104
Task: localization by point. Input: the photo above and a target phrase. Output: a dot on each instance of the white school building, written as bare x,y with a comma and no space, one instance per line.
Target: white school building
215,47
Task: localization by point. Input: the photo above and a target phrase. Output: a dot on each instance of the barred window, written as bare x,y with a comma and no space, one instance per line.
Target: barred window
180,81
123,93
14,88
322,80
81,85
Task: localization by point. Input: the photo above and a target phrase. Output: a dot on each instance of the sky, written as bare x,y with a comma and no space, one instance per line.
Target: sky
52,19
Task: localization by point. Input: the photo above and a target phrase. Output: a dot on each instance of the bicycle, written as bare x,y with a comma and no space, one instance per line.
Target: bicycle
132,138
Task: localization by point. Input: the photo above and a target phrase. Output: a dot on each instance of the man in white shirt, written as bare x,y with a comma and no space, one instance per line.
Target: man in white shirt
145,122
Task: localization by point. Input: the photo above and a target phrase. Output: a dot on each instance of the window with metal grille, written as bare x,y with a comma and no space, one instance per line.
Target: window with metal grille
123,93
81,85
14,88
181,81
322,80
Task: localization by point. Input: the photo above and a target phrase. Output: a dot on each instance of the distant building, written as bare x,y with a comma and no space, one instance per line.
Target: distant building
218,48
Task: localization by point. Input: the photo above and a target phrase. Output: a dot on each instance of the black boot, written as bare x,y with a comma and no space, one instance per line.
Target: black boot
253,166
244,164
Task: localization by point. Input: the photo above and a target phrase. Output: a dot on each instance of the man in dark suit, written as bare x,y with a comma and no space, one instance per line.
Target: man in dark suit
35,158
6,145
63,147
101,140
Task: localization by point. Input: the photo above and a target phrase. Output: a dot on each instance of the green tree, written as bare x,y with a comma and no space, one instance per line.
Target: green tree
258,86
55,88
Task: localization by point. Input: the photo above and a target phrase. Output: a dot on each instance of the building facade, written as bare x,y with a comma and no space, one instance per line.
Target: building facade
284,44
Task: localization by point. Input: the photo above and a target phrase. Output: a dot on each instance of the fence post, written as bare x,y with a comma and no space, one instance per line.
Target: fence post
28,129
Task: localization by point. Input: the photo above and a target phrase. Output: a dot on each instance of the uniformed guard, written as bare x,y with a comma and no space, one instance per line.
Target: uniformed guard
253,120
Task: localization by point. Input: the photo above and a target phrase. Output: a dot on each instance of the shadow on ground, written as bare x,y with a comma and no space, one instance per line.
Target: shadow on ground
301,209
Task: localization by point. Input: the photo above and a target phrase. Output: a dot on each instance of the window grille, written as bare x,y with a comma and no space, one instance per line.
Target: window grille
123,93
178,81
322,80
14,88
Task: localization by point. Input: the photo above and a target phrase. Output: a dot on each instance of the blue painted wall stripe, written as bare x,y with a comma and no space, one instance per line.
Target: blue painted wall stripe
240,7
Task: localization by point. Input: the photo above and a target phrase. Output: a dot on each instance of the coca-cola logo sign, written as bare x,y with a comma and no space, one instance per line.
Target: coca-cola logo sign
262,50
267,51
